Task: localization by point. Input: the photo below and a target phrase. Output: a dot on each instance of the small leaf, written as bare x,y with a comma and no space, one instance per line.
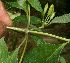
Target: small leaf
13,56
44,53
23,18
45,8
62,60
23,4
15,4
61,19
51,10
36,4
52,16
35,20
12,16
3,50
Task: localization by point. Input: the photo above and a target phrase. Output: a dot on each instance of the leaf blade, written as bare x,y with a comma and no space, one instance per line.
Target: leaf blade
36,4
44,53
61,19
23,18
3,50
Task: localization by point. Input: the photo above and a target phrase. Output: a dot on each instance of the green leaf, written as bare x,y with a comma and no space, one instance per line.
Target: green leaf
61,19
62,60
38,39
13,57
3,50
15,4
23,18
5,56
44,53
36,4
45,8
52,16
35,20
23,4
51,10
12,16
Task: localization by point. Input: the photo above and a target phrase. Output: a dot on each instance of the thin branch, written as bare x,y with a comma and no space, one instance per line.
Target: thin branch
23,50
40,33
50,35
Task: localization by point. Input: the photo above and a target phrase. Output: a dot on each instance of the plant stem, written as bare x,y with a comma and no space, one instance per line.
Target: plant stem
28,16
24,49
40,33
16,29
47,34
26,33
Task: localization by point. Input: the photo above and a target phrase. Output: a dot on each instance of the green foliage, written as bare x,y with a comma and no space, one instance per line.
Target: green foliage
21,2
44,52
45,8
62,60
5,56
23,5
12,16
15,4
51,10
3,50
61,19
36,4
23,18
38,40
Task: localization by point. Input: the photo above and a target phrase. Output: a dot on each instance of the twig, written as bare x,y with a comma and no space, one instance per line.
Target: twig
40,33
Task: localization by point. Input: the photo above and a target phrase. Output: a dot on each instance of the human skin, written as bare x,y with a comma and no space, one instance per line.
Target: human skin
4,20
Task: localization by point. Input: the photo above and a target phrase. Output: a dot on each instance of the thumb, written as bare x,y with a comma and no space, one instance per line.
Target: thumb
4,17
2,29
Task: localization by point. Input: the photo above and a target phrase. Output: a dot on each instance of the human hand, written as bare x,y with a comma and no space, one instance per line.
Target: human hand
4,20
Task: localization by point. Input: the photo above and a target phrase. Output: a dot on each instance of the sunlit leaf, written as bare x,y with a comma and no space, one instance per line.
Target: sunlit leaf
12,16
61,19
45,8
51,10
52,16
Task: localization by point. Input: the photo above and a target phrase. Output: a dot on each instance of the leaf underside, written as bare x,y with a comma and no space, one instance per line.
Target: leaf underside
61,19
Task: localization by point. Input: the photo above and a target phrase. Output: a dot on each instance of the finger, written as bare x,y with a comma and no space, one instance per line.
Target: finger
4,17
2,29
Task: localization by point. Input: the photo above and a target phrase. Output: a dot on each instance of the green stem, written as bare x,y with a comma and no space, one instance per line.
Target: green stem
40,33
28,16
26,33
24,49
16,29
50,35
